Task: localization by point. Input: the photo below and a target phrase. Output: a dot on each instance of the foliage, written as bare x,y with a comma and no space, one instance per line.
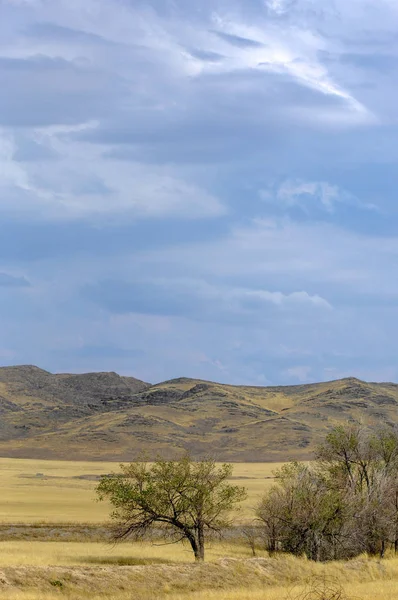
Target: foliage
301,515
184,497
344,504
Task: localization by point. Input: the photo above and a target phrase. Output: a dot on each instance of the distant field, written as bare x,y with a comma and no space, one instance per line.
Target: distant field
36,491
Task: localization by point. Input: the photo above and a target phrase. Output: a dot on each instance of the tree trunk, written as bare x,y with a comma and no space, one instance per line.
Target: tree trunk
272,542
194,546
197,541
201,543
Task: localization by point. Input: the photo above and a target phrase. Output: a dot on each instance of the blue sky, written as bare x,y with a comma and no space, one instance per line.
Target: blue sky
202,189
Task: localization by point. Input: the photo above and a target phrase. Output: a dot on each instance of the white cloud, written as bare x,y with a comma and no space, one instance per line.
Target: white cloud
11,173
296,192
327,194
291,193
168,86
280,299
81,184
278,6
311,255
292,51
156,70
237,297
281,48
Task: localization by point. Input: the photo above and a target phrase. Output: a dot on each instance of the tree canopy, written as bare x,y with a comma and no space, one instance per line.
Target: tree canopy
185,498
342,504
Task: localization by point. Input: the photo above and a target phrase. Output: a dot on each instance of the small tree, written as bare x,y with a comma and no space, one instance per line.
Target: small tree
250,533
185,497
270,515
301,514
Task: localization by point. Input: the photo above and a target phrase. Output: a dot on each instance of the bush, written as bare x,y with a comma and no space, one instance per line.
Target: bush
320,588
342,505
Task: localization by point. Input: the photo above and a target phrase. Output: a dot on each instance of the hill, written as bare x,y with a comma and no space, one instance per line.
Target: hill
109,417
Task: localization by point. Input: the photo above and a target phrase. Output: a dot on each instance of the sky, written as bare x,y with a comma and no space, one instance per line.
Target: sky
202,189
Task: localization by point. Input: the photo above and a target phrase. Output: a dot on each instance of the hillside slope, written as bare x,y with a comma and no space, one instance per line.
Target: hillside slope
106,416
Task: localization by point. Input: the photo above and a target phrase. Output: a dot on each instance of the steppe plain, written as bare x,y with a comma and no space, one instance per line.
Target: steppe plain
54,537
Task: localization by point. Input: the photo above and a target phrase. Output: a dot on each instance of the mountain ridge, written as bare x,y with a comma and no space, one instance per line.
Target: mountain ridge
106,416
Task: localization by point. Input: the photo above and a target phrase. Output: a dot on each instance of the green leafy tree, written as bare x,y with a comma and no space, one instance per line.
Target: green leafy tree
187,499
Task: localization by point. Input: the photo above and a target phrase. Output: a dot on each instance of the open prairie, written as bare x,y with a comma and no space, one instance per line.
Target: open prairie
35,491
54,495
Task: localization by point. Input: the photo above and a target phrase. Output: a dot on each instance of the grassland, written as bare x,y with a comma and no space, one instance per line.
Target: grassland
55,492
35,491
239,578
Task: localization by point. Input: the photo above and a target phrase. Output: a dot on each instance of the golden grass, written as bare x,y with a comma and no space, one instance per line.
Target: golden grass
279,578
42,553
30,570
373,591
376,590
60,497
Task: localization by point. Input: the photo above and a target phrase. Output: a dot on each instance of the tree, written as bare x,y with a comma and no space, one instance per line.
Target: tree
187,499
270,514
250,533
343,504
364,463
301,514
356,455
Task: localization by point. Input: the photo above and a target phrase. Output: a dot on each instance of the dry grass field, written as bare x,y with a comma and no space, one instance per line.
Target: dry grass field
239,578
80,554
37,492
61,491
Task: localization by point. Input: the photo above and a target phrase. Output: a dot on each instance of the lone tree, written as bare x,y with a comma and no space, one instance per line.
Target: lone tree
186,498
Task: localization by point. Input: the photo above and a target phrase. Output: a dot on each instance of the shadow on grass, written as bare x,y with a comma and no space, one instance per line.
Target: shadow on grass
123,561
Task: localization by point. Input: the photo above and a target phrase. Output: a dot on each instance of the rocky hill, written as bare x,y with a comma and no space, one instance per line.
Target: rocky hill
109,417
